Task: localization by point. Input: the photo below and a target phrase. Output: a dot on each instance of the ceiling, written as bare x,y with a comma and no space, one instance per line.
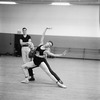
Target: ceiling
78,2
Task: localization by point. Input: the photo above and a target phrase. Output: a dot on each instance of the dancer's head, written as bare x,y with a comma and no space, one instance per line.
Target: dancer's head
49,44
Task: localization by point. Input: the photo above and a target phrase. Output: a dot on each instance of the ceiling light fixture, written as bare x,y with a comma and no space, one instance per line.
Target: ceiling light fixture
7,2
60,3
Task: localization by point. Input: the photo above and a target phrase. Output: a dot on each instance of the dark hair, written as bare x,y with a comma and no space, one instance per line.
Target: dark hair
51,42
24,28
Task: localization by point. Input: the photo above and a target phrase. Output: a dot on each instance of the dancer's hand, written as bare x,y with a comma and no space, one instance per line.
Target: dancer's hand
64,53
48,28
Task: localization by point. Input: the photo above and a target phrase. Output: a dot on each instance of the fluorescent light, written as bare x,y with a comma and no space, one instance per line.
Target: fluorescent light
7,2
60,3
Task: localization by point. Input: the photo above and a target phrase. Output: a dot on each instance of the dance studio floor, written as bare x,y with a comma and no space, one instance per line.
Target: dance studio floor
82,78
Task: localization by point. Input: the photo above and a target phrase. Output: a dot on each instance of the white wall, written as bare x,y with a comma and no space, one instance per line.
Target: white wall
1,18
65,21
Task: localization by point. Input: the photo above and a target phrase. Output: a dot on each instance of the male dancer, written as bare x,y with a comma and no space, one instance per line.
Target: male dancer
25,41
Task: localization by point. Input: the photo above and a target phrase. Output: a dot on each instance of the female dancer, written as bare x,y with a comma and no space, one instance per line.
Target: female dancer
40,60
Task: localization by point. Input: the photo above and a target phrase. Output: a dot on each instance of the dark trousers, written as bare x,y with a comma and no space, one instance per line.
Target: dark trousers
51,71
30,71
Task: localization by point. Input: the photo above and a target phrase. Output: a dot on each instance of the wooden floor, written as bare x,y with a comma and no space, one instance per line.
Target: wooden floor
82,78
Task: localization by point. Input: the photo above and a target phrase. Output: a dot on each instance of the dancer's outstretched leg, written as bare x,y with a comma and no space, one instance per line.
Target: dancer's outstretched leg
52,72
45,68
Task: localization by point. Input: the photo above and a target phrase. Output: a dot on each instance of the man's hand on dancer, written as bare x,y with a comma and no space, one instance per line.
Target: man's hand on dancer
31,45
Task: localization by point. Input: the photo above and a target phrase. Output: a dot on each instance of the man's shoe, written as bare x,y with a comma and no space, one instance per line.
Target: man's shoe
31,79
25,81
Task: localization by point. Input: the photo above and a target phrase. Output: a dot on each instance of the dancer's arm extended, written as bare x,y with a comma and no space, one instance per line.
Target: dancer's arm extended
55,55
43,35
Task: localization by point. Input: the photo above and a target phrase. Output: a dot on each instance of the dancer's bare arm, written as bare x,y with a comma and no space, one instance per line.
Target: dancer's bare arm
55,55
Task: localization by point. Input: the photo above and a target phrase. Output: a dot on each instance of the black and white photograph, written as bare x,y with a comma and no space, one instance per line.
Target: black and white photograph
49,49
